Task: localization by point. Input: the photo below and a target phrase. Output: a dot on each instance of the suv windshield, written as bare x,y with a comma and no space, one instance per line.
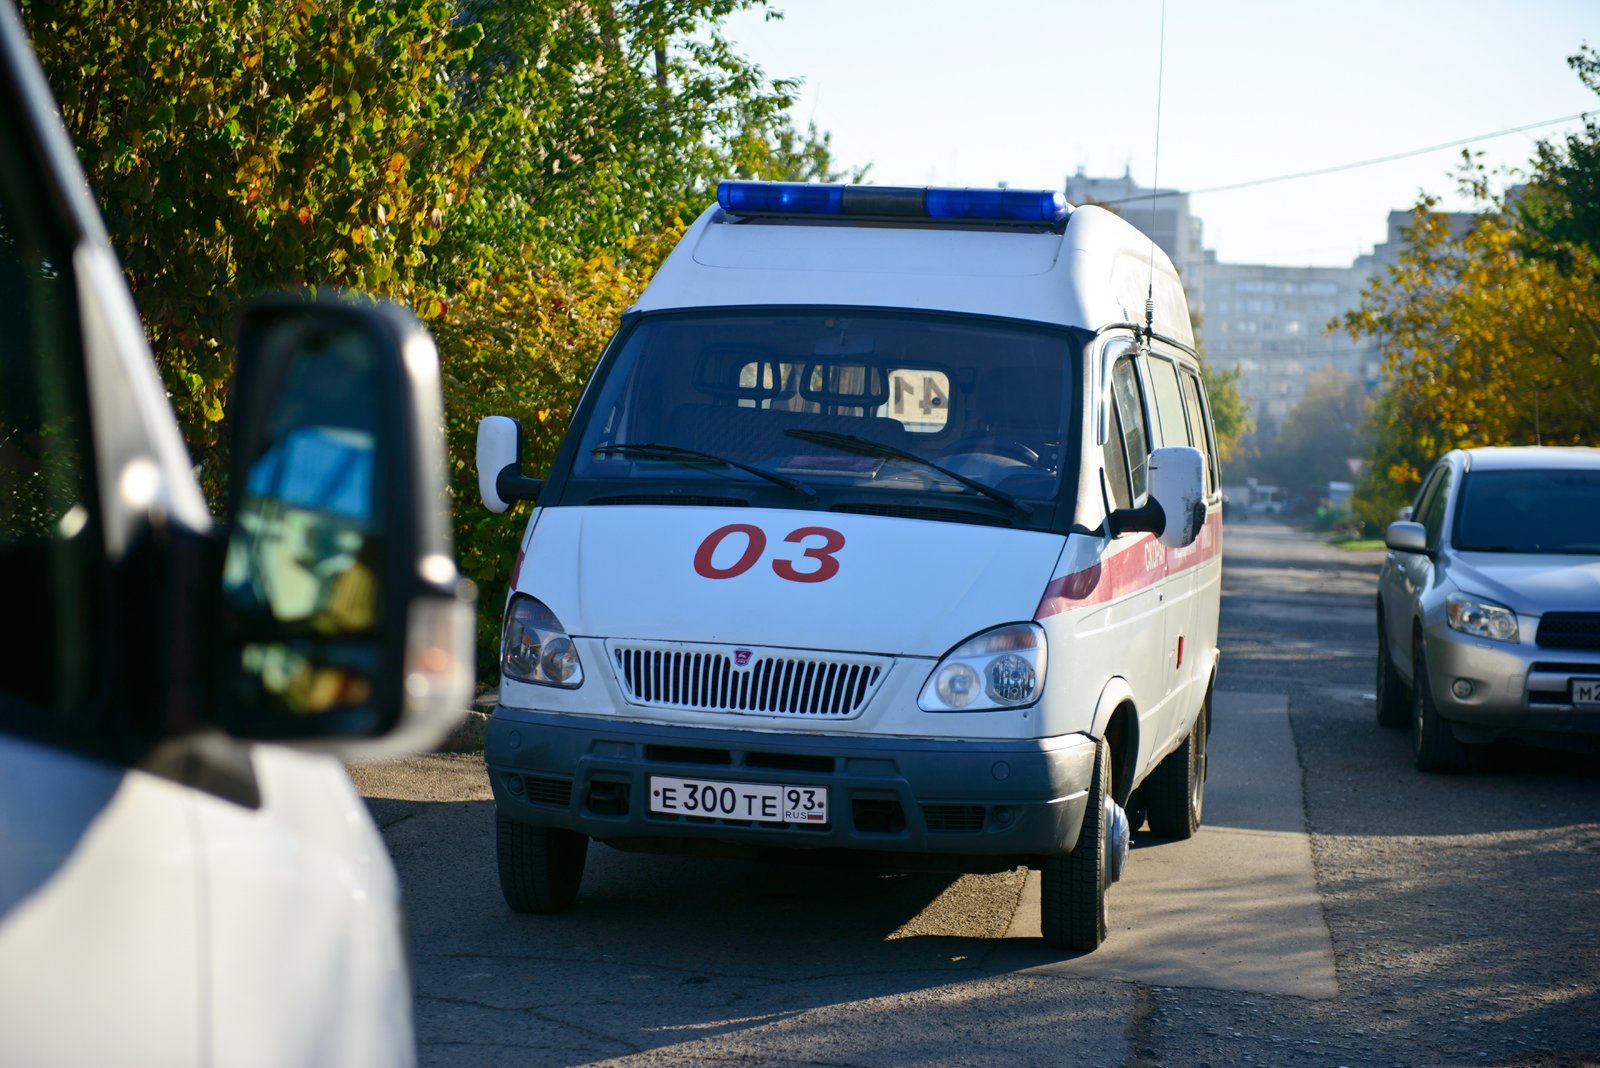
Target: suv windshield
1529,512
858,406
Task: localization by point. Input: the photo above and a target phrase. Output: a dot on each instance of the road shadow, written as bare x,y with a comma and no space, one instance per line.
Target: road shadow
697,959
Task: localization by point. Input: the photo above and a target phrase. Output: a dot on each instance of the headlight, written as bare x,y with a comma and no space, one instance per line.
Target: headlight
1001,668
534,646
1481,619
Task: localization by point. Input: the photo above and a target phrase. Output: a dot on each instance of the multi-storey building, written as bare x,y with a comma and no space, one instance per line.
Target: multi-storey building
1271,322
1163,214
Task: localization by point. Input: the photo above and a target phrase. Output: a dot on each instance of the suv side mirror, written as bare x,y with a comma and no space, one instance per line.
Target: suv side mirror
343,615
1176,510
1406,537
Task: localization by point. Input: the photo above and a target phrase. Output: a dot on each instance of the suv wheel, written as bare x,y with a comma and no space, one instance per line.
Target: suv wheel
1394,710
1434,745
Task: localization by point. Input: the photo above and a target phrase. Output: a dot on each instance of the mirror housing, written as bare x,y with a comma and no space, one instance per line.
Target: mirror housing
1176,509
500,478
1406,537
343,614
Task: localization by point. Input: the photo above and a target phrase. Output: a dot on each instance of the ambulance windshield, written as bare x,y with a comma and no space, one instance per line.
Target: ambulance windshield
959,406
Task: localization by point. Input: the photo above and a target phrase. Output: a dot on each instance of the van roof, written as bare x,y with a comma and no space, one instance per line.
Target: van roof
1094,273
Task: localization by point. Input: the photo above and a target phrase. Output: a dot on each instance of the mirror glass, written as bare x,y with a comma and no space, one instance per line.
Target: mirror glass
305,548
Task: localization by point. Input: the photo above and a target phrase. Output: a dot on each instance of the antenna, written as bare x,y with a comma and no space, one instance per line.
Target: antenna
1155,180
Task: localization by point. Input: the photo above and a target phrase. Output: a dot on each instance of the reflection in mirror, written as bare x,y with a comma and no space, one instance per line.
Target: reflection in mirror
305,548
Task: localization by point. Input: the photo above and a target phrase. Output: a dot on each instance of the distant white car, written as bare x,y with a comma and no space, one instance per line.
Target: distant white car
173,890
1489,605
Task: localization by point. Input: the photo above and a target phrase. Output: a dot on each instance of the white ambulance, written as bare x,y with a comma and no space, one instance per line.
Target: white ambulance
889,522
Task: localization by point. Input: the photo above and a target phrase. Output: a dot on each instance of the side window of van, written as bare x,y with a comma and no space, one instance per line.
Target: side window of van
1199,426
1168,402
1130,430
1116,463
49,549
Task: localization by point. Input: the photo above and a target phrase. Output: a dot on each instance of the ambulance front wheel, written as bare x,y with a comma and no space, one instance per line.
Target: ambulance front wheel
1072,886
540,867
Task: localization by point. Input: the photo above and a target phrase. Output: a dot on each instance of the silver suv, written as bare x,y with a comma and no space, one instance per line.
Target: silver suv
1489,605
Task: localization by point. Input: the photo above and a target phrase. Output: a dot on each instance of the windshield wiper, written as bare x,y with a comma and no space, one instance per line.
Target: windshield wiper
656,451
867,447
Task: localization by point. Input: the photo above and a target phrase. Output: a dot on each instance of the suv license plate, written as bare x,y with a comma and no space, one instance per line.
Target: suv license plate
761,802
1586,693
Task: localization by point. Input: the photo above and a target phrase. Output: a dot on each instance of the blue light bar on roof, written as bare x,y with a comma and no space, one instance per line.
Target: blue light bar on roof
1010,205
1043,207
780,198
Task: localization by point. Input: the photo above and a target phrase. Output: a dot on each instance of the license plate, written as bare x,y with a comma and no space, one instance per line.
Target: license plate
758,801
1586,692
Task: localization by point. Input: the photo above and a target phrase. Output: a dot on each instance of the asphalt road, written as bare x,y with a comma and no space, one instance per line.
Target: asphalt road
1338,907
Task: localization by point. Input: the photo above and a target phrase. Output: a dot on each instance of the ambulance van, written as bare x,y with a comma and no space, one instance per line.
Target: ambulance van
889,522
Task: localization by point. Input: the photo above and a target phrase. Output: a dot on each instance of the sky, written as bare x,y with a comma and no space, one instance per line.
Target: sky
1026,92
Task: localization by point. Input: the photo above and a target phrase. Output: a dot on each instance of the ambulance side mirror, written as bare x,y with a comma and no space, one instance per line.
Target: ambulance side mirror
1178,484
500,478
1176,509
343,618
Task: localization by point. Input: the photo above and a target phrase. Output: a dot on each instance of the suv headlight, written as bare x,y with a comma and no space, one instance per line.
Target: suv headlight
534,646
1481,619
1001,668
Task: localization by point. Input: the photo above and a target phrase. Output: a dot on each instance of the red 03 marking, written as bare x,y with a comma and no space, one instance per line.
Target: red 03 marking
827,563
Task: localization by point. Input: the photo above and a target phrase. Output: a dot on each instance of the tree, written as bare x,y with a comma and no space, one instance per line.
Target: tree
1485,344
512,169
1230,412
1318,438
1560,206
241,145
605,126
1492,337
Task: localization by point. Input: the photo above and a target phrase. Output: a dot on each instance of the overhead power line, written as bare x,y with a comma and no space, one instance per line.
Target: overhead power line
1336,168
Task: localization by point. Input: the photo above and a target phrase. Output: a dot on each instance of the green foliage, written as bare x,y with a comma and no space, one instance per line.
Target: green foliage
604,127
1560,207
1318,438
514,171
241,145
1230,412
1486,342
790,156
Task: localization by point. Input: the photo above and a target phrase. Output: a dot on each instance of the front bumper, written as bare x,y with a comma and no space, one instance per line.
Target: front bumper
1512,690
903,795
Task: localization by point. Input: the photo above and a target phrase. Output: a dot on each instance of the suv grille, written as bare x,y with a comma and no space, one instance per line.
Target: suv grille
707,679
1569,630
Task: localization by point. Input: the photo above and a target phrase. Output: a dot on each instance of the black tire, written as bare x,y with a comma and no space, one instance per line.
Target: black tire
540,867
1434,746
1073,885
1175,792
1393,701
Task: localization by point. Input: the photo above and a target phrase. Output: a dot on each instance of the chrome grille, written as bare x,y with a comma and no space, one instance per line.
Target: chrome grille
771,683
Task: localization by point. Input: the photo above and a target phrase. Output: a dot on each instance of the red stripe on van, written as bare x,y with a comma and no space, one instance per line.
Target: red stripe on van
1130,570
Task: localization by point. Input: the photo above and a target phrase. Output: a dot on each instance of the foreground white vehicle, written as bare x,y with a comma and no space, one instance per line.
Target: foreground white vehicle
172,892
889,523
